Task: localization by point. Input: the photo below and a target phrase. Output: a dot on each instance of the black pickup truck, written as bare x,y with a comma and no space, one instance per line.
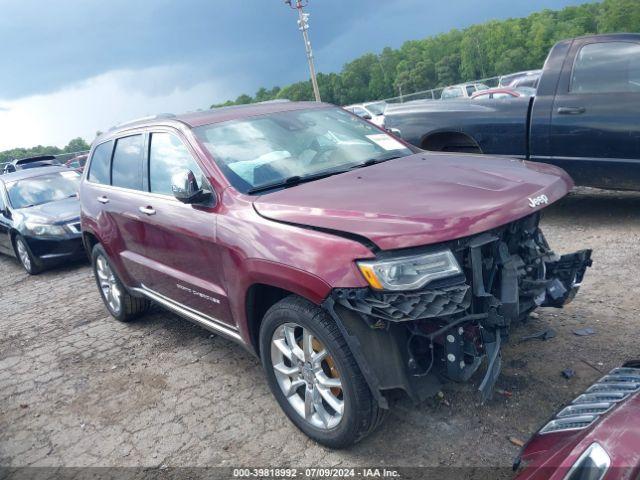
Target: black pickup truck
585,116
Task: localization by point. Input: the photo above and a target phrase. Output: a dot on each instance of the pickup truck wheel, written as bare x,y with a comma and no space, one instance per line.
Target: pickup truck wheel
27,259
121,305
313,375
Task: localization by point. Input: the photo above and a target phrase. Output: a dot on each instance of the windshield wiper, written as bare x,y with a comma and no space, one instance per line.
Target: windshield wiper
293,181
297,179
373,161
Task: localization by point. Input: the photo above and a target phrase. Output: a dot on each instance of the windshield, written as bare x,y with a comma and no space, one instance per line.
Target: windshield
376,108
43,189
273,148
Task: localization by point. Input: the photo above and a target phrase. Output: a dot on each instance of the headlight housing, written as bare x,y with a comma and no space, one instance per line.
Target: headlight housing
42,229
411,272
592,464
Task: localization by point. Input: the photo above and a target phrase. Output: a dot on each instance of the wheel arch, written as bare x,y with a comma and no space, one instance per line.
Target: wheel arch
259,299
89,240
450,141
269,283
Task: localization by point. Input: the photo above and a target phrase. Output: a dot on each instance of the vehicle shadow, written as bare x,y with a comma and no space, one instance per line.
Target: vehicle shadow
590,205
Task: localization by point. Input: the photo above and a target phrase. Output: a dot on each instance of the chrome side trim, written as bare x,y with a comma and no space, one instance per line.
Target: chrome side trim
190,314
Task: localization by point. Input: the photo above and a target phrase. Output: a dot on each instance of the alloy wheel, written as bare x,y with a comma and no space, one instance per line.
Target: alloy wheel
108,284
23,254
307,375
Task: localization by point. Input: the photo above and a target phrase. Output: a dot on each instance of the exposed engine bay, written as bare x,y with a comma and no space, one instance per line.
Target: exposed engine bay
445,331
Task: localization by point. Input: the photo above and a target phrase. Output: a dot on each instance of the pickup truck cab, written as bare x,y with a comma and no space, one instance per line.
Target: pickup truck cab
353,264
584,117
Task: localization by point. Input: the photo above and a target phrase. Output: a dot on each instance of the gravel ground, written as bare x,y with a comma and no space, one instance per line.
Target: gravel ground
80,389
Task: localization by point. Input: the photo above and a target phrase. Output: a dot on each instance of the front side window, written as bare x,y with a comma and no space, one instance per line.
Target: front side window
289,146
168,156
47,188
608,67
99,168
126,168
453,92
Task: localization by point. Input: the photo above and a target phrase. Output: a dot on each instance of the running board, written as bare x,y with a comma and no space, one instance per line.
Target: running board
211,324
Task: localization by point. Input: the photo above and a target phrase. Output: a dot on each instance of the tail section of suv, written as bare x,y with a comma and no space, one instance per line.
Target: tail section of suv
350,262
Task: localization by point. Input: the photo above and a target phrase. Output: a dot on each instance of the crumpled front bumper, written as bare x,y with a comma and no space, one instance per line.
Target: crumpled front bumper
446,330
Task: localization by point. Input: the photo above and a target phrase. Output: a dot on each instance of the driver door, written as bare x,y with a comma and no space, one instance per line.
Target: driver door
181,238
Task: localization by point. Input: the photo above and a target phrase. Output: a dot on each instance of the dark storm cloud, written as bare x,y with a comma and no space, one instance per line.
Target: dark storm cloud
47,46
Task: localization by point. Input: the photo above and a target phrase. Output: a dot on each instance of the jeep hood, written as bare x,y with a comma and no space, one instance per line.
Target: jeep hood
421,199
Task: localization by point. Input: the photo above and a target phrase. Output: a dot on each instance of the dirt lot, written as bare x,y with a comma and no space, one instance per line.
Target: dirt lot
79,389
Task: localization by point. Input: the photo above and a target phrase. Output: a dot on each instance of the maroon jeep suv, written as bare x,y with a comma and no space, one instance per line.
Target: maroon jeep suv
353,264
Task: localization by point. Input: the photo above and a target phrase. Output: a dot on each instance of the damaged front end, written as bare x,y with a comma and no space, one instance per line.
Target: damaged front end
412,339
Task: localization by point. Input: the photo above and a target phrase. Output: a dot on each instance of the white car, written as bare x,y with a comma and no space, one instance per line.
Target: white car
372,111
464,90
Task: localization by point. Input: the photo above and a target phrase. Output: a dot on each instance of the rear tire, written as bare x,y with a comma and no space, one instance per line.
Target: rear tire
342,410
29,262
119,302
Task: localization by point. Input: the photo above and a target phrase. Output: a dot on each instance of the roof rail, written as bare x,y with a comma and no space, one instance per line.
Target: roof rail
143,119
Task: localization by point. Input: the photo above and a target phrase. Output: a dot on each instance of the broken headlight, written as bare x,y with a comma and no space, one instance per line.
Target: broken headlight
411,272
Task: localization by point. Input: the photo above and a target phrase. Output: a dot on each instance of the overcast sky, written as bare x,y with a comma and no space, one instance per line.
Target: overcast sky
70,68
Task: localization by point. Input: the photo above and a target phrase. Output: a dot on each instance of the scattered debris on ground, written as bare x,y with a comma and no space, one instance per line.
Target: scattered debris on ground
516,441
58,344
583,332
547,334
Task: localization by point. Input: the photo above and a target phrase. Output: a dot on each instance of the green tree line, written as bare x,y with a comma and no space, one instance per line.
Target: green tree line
479,51
75,145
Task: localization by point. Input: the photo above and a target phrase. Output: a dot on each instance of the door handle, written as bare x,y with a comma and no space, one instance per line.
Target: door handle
571,110
103,199
147,210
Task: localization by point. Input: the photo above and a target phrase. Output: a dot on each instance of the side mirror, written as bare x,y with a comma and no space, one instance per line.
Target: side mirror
366,116
185,188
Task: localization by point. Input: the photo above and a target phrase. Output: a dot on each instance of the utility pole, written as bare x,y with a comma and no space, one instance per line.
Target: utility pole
303,26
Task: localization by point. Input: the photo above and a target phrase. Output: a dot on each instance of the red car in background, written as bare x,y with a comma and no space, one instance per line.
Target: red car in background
77,162
596,437
503,92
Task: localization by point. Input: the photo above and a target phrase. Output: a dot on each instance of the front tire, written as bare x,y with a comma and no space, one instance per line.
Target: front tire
314,376
121,304
26,258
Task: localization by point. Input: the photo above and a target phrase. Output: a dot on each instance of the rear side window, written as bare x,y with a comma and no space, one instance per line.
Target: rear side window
99,167
608,67
1,197
126,168
167,156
